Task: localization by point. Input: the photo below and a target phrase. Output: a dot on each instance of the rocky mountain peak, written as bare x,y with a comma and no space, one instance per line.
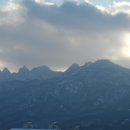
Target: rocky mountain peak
24,69
6,71
73,67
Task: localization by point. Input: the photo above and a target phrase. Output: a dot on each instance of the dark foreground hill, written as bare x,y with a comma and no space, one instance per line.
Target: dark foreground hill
95,96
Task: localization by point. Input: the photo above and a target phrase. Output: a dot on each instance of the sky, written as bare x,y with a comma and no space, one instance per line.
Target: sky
59,33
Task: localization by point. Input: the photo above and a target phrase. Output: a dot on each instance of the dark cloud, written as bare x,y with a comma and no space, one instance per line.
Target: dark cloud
75,16
58,36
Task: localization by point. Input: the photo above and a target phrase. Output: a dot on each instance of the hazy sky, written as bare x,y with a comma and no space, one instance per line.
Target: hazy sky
46,32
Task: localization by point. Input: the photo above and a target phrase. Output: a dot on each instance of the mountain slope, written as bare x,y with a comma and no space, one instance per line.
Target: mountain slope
94,96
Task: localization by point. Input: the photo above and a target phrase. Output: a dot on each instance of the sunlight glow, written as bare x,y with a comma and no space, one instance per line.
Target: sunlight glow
126,48
2,65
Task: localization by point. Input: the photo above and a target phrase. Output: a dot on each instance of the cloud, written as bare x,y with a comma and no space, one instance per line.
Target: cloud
120,7
33,33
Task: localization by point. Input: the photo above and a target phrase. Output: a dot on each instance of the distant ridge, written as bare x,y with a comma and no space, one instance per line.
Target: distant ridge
44,72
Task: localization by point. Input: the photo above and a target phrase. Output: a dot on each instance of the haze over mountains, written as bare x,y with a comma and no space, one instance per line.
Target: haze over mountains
94,96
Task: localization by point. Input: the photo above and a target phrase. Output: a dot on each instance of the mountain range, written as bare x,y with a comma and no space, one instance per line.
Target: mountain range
38,73
95,96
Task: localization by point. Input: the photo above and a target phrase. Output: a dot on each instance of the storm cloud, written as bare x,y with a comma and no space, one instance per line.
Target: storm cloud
36,33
